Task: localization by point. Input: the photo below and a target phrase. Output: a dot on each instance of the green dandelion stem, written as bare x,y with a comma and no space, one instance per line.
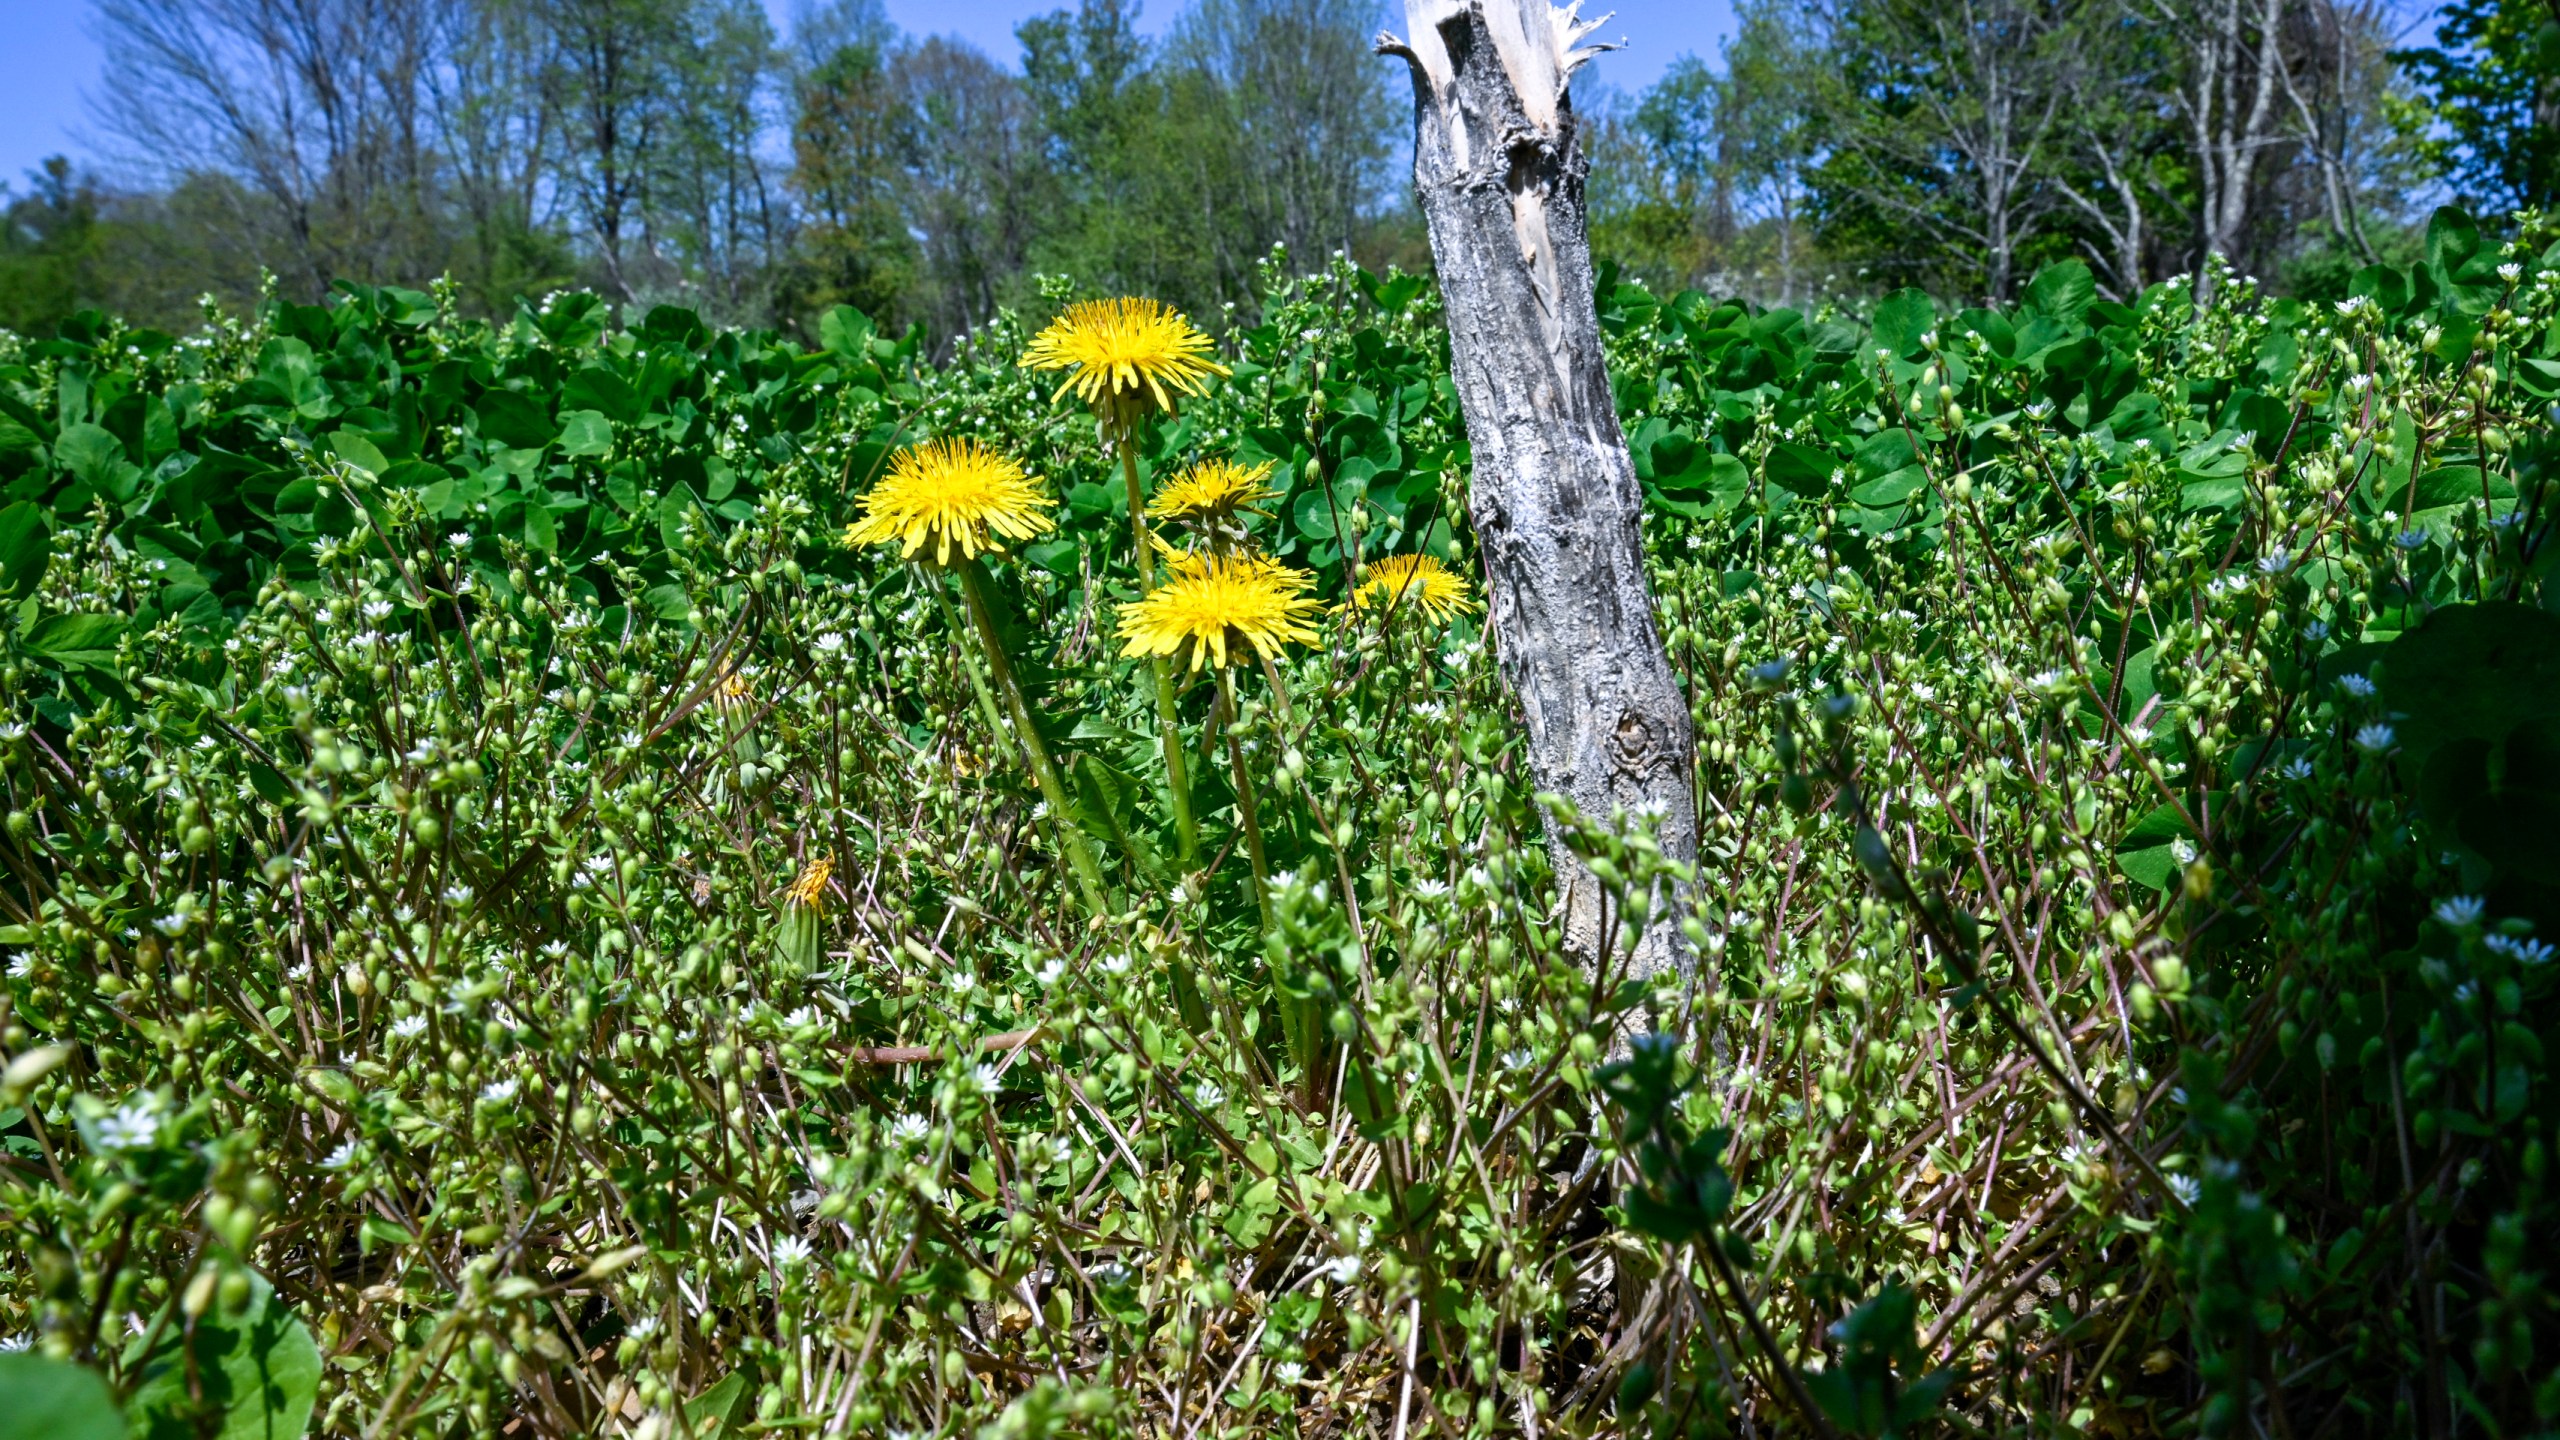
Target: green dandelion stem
973,587
1168,717
987,708
1246,812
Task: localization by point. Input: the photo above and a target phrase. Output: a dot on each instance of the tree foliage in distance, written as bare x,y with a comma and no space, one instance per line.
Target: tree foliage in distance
2490,114
683,151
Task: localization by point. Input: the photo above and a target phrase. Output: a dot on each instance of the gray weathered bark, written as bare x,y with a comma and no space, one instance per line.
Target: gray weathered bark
1554,496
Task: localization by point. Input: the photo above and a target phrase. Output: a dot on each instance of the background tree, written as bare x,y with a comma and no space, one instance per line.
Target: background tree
2490,117
1945,120
315,110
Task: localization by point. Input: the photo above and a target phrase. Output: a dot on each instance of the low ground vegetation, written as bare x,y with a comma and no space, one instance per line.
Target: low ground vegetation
519,922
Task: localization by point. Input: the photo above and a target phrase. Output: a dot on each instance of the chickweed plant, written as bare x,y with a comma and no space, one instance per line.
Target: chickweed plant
503,939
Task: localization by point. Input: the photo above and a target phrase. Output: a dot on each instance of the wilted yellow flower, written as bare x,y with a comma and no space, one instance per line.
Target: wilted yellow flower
1129,347
1212,603
951,492
1431,587
810,890
1211,490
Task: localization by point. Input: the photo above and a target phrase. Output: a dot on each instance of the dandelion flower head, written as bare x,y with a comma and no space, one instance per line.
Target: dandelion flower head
1211,490
1217,603
1432,587
1135,348
810,890
951,492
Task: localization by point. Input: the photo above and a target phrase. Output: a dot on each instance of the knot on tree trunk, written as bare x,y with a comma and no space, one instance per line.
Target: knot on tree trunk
1634,751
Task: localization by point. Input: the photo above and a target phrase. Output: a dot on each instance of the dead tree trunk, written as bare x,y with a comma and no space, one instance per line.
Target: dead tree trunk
1554,498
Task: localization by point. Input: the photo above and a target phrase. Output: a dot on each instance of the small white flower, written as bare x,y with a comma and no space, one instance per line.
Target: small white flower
459,539
804,1016
170,924
2359,686
2461,912
790,1252
2274,562
2410,539
987,1078
1116,963
1341,1269
2511,272
1288,1372
409,1027
643,1328
12,1344
1209,1095
342,1157
2186,1189
2525,949
1050,973
2298,768
830,643
22,965
1430,889
377,609
2375,738
498,1092
908,1130
131,1127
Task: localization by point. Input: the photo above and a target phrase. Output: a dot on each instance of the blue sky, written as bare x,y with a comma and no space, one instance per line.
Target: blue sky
48,60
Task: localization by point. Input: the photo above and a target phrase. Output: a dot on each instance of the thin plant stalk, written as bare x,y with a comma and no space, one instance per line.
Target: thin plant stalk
1168,717
977,678
1246,811
973,587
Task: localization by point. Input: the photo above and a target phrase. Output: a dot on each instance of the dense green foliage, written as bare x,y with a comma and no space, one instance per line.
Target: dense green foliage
2126,748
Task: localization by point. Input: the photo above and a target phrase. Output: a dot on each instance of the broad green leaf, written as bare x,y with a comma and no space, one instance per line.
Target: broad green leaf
2473,672
846,331
1802,469
1892,489
1902,319
357,449
586,432
541,529
47,1399
259,1371
26,547
2063,290
599,389
710,1414
515,420
76,639
90,453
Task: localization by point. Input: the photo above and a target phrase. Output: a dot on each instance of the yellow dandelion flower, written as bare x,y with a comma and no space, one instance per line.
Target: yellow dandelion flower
951,492
1211,490
1436,590
1214,603
1129,347
810,890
